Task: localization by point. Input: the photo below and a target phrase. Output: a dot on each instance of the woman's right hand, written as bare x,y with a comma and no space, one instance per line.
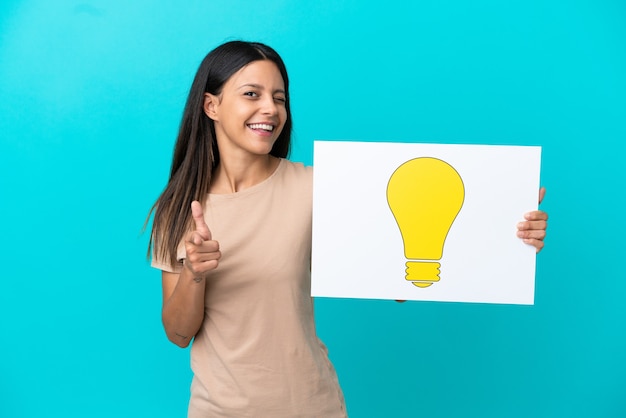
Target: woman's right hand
203,253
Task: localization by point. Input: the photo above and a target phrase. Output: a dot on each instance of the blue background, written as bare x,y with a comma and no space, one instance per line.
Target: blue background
91,95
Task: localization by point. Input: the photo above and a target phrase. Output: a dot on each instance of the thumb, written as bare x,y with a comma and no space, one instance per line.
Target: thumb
542,193
198,217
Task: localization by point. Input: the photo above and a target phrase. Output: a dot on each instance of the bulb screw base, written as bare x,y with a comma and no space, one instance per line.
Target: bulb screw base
422,273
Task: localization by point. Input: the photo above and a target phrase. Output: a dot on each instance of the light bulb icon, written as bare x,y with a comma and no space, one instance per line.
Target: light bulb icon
425,196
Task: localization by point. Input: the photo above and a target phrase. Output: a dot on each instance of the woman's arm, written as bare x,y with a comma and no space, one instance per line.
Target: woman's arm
183,294
183,306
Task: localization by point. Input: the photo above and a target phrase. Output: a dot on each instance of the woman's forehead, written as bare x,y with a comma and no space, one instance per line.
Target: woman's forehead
264,73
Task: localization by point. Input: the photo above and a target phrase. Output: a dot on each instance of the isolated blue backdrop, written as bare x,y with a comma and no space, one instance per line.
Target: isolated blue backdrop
91,94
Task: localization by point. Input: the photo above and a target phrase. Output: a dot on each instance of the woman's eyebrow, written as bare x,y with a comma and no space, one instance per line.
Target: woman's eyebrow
248,85
258,86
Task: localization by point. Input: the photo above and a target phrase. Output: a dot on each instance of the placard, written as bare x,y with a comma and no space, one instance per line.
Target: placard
431,222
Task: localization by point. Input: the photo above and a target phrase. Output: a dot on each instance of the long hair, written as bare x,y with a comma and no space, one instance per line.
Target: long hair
196,153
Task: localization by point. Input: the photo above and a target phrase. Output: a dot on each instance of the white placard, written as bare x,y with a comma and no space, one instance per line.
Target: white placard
360,251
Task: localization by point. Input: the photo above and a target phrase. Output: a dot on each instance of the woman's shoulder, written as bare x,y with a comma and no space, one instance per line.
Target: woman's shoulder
296,169
296,176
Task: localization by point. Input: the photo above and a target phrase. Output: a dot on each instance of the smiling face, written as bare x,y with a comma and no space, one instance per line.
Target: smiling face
250,112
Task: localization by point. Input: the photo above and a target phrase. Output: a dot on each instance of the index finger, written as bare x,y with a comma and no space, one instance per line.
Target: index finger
198,217
536,215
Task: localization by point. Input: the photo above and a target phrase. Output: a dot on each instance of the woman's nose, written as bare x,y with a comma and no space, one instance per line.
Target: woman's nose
269,106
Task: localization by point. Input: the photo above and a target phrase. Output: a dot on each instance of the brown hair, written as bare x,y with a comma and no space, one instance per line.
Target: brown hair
196,153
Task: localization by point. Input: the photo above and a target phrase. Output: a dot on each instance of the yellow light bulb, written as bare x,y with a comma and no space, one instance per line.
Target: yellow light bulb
425,196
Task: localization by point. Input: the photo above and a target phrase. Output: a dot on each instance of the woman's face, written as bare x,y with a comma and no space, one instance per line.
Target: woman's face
250,112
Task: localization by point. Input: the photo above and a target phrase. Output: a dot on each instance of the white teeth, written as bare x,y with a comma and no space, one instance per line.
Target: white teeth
263,126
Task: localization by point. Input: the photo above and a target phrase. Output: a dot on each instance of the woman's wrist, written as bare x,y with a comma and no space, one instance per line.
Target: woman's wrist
189,274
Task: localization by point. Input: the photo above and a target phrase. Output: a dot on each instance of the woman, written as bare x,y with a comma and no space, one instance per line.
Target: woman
232,235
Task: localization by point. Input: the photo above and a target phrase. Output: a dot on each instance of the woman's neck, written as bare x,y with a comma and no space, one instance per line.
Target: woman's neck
231,176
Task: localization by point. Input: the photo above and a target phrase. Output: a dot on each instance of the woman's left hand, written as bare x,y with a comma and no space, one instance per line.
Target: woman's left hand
533,230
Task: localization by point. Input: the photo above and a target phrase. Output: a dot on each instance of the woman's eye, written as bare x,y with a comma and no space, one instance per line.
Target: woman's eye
280,99
250,94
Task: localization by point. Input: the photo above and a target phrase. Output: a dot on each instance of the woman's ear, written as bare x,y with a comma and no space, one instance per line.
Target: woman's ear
210,105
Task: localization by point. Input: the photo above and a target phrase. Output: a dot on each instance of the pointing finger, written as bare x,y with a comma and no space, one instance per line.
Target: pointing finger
202,228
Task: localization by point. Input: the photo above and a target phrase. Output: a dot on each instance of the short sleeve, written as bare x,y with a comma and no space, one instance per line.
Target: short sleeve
165,265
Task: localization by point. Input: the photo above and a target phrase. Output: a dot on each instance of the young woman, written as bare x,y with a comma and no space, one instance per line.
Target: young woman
232,236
